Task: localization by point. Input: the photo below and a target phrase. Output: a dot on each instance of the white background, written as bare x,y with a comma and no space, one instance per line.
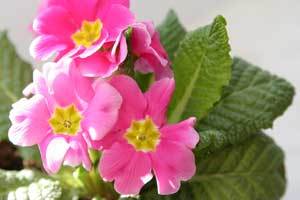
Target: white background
265,32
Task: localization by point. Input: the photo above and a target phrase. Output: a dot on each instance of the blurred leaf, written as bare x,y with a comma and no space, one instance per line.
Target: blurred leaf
252,170
171,33
252,101
27,184
15,74
202,68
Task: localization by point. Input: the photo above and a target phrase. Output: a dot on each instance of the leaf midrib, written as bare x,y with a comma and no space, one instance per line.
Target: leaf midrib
179,109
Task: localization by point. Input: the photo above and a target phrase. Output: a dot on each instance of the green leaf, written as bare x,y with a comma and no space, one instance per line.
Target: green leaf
15,74
252,101
252,170
202,68
27,184
171,33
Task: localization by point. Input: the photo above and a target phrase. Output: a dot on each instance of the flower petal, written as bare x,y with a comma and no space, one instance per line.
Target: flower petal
44,47
102,112
29,119
78,153
134,103
158,97
55,21
53,151
172,163
130,169
97,65
117,19
182,132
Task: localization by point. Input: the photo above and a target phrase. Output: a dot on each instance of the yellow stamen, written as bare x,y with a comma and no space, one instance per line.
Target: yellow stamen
65,121
88,34
143,135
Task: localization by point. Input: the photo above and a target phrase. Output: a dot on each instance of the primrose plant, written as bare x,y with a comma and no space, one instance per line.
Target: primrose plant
122,109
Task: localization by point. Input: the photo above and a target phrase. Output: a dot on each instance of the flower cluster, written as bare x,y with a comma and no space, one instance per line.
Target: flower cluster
84,100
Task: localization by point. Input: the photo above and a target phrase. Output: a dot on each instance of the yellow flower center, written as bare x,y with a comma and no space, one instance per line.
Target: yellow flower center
143,135
66,121
88,34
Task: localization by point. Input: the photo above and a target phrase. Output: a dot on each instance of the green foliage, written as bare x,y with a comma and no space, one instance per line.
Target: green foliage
15,74
202,68
252,101
252,170
28,184
171,33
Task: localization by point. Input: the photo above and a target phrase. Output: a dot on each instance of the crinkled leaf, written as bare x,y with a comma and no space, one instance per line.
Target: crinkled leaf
171,33
252,170
27,184
202,68
252,101
15,74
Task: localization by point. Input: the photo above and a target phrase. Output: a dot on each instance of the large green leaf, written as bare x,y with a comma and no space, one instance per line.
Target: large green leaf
202,68
252,101
171,33
252,170
27,184
15,74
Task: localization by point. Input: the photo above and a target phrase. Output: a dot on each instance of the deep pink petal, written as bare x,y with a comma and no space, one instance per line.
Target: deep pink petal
117,20
172,163
97,65
29,119
53,151
183,133
130,169
55,21
102,112
46,46
134,103
158,97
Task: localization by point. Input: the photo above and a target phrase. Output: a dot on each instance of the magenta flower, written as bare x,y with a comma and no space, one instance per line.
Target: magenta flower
78,28
152,56
65,109
145,143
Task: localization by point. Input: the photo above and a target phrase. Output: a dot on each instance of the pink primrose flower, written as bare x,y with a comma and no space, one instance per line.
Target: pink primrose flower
65,108
144,143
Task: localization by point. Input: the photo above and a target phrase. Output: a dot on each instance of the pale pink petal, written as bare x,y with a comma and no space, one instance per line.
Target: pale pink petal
29,119
158,97
117,20
64,91
134,103
78,153
172,163
182,132
41,87
102,112
46,46
53,151
83,85
130,169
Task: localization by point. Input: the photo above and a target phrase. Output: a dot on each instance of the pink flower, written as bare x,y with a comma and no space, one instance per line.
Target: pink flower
152,56
78,28
65,109
145,144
